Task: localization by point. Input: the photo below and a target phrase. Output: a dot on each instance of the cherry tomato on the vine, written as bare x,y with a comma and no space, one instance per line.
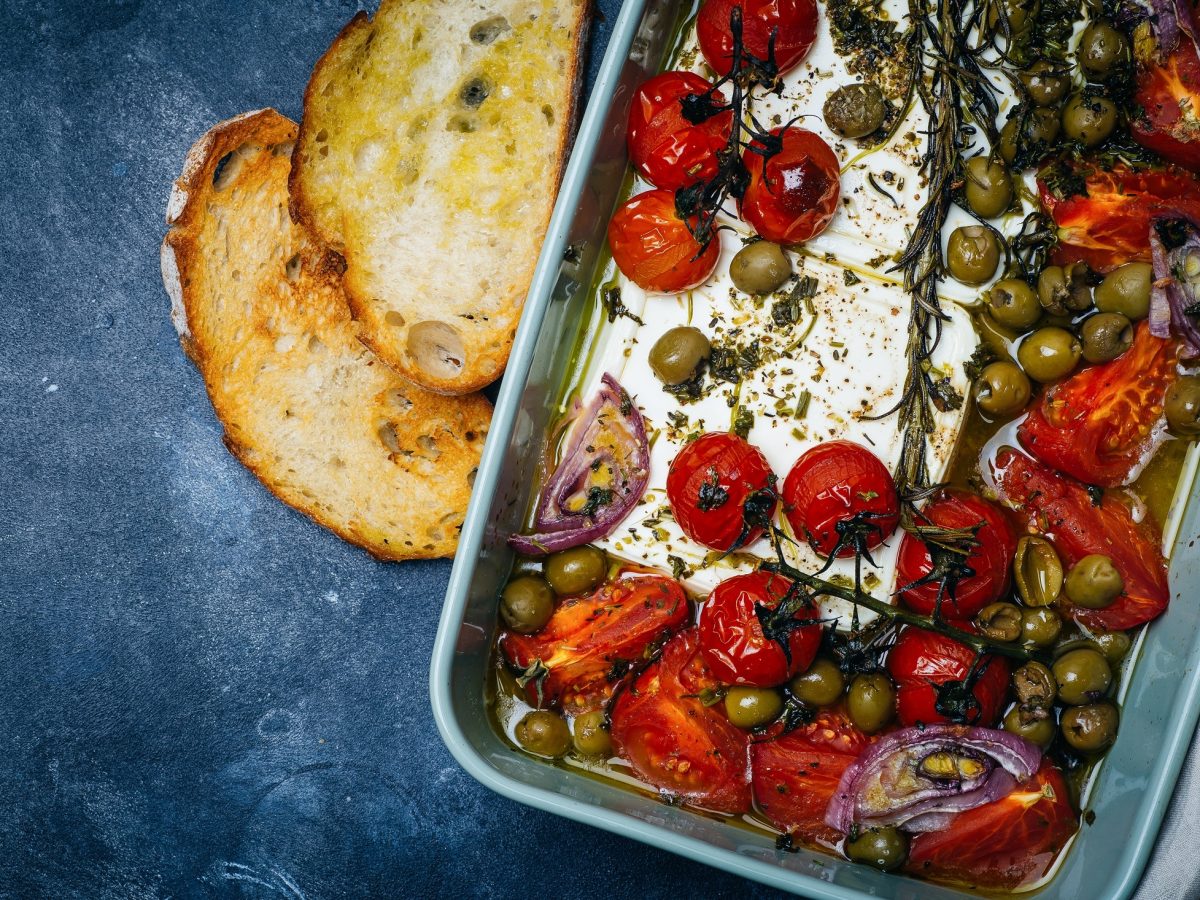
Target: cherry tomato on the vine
921,661
666,149
793,23
840,483
794,196
708,486
654,248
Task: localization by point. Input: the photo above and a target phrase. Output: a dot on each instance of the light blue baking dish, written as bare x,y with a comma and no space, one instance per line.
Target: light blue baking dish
1163,694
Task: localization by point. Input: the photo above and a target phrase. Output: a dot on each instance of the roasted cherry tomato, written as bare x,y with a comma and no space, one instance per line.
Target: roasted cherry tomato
794,196
792,24
589,638
1004,845
923,662
839,492
965,591
1062,509
796,775
720,490
733,640
1100,425
1103,215
654,248
1168,96
676,743
668,150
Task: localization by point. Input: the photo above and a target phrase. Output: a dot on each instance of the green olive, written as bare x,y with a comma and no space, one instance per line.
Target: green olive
591,735
1013,303
1090,728
544,732
1046,83
758,268
1041,127
1113,644
1035,685
1037,571
677,355
1083,676
998,338
821,685
883,848
1049,354
1094,582
1089,119
855,110
1041,627
1105,336
972,254
1036,726
871,701
1002,389
526,604
1062,291
1182,406
1017,13
750,707
988,188
1126,290
576,571
1101,49
999,621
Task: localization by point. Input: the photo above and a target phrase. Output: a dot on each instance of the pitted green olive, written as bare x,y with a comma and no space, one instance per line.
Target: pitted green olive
760,268
1101,49
972,254
526,604
1090,728
855,110
1000,621
1094,582
544,732
1089,119
1126,290
1083,676
871,701
1046,83
1065,290
1034,685
591,737
1105,336
988,186
1036,726
821,685
1013,303
1037,571
1040,129
1002,389
751,707
677,355
1040,627
576,571
883,848
1182,406
1049,354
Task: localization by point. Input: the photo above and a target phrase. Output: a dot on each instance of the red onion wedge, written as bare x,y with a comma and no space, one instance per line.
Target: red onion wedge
603,473
918,778
1175,250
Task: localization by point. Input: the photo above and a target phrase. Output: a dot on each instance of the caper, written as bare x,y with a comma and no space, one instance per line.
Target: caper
677,355
1035,725
972,254
883,848
855,110
576,571
871,701
1039,130
526,604
1101,49
1037,571
1105,336
1113,644
1126,290
544,732
1034,685
1091,727
750,707
1046,83
1094,582
821,685
1000,621
591,735
1013,303
1040,627
1182,406
1049,354
759,268
1083,676
1002,389
988,188
1089,119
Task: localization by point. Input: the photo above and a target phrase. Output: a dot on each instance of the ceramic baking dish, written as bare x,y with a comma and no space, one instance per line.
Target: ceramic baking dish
1162,697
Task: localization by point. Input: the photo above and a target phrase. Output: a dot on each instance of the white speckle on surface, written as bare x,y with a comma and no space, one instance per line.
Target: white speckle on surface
332,597
51,388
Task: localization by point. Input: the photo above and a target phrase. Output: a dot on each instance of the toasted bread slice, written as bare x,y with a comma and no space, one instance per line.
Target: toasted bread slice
429,156
259,307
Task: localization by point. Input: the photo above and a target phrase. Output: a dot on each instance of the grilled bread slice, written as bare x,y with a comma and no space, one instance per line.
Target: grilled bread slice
429,157
259,307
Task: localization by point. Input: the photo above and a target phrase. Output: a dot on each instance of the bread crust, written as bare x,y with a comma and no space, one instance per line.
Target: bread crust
437,440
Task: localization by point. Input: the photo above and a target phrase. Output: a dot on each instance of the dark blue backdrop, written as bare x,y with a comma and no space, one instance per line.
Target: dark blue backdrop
201,693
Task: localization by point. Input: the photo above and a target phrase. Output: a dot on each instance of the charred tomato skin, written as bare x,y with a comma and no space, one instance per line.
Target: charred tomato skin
731,635
666,149
793,195
922,660
793,22
652,246
708,485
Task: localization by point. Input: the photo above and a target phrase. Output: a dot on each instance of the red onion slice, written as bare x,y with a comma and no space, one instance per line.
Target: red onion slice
603,473
917,778
1175,252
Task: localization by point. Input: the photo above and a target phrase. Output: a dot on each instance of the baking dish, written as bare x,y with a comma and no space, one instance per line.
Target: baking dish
1162,695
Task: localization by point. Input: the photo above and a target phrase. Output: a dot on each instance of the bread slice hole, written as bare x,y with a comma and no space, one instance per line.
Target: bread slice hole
548,112
428,446
388,437
462,124
486,31
398,400
291,269
475,91
437,348
471,477
391,317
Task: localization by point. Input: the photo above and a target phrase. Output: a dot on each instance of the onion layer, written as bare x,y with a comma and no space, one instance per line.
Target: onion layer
1175,251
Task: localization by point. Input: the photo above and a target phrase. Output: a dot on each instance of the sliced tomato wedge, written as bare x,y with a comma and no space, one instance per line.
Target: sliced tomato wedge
1007,844
795,776
1100,425
1062,509
1103,215
590,642
673,741
1168,100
